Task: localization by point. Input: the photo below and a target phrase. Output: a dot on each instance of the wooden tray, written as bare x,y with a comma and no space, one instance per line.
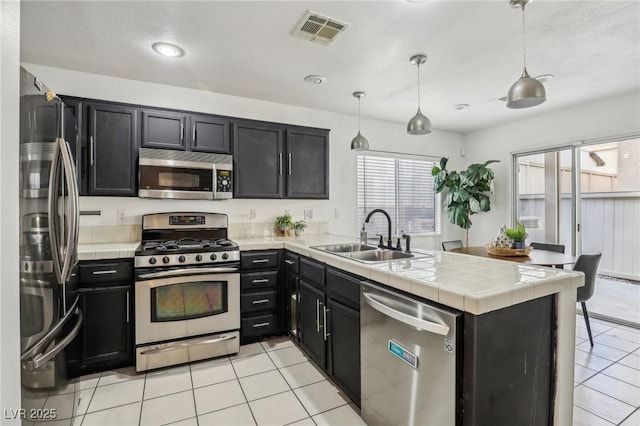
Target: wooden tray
498,251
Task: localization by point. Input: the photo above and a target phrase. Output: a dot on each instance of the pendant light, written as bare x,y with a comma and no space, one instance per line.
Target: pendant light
419,124
359,143
527,91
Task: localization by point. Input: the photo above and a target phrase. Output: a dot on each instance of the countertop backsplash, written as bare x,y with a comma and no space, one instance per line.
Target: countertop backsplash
110,234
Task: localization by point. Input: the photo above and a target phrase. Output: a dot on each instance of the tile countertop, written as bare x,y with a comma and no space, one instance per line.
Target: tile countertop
106,251
472,284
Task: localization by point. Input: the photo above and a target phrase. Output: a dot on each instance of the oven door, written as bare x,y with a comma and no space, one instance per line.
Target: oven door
175,179
177,307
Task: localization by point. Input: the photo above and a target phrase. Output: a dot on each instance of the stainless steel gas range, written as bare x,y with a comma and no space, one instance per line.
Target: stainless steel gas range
187,291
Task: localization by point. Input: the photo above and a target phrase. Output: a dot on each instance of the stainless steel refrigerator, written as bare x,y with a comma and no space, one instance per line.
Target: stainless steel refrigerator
50,317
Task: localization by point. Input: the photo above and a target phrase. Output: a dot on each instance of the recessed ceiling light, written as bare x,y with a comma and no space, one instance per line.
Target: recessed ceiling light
460,107
315,79
167,49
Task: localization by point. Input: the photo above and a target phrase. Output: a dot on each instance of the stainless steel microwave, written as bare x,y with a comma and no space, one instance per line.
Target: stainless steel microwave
185,175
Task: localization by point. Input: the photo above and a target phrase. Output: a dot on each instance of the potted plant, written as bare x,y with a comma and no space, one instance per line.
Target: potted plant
299,226
518,235
284,223
467,191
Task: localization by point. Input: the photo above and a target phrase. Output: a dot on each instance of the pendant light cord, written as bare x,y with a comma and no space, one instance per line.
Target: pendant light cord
524,40
359,98
418,84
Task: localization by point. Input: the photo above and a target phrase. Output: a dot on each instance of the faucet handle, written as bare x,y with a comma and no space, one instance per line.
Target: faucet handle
381,242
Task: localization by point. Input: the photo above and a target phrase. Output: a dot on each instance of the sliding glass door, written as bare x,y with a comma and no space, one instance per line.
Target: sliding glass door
587,197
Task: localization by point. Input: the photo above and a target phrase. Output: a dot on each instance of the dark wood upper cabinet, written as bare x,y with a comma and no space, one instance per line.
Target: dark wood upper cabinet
164,129
307,163
258,160
112,149
209,134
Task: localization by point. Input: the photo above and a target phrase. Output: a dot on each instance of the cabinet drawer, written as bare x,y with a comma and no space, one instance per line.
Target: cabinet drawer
259,325
258,301
292,262
258,280
259,260
104,272
344,288
312,271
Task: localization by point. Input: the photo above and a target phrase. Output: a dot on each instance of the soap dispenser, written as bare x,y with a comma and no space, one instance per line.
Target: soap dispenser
363,235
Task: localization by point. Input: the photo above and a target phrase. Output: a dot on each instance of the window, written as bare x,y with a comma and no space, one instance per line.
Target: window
403,188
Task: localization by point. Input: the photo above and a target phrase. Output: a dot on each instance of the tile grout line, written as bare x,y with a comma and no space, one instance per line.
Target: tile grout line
630,414
293,392
84,416
594,414
193,395
242,390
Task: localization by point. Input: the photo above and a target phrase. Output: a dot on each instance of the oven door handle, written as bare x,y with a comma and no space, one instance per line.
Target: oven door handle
186,344
183,272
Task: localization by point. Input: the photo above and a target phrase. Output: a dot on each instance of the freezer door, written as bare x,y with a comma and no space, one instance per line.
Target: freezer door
409,360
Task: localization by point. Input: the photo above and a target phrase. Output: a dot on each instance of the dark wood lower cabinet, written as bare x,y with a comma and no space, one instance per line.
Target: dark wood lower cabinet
311,323
344,348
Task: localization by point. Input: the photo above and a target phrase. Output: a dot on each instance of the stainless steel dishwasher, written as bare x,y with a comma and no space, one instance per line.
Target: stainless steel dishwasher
409,360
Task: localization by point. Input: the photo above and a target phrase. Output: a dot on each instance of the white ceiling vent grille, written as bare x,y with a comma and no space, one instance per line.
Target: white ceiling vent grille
319,28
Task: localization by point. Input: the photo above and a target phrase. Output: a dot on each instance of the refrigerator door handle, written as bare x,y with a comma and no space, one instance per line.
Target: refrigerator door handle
72,185
52,212
51,334
405,318
39,360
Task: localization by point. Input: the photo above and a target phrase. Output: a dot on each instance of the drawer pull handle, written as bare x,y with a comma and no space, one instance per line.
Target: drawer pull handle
260,301
260,261
110,271
289,262
261,324
262,280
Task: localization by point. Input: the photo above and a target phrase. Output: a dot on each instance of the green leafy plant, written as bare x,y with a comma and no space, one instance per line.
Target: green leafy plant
284,222
518,233
299,225
467,191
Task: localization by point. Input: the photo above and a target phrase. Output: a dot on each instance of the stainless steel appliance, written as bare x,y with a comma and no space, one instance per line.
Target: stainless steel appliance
49,314
166,173
410,358
187,291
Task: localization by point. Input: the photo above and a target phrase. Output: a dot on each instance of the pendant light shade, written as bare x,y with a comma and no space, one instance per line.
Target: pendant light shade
419,123
527,91
359,143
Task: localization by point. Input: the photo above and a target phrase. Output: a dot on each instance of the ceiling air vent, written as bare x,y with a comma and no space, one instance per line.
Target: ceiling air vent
319,28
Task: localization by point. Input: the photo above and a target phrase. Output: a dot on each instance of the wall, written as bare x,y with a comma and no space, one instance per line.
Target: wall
339,211
9,160
618,115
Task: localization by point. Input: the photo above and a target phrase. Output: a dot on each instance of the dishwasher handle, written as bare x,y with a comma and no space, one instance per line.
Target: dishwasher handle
419,323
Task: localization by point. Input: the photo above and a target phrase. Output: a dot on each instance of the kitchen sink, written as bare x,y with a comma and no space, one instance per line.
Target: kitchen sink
368,254
346,248
380,255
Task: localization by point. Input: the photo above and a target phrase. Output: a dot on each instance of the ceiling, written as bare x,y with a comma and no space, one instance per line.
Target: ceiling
246,49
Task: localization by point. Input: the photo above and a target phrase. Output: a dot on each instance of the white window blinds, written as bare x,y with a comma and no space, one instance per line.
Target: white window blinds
403,188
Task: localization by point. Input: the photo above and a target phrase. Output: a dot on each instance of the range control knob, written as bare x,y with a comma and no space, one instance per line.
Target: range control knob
165,259
213,256
152,260
198,258
181,259
225,256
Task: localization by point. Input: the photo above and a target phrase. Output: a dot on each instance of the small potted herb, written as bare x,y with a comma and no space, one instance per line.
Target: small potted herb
299,226
518,235
284,223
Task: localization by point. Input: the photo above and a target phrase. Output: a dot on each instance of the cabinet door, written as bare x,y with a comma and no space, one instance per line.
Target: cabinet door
311,323
72,130
209,134
106,332
113,149
258,161
307,163
163,129
344,348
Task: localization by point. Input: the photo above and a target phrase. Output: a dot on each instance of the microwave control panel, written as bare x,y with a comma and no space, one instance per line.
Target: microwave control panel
224,181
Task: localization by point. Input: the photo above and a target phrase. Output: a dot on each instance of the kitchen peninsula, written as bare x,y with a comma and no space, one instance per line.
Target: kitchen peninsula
514,316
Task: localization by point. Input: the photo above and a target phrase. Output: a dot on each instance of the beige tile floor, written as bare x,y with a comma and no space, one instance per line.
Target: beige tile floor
273,383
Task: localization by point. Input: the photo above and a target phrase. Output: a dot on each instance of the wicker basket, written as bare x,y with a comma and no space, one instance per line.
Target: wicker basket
497,251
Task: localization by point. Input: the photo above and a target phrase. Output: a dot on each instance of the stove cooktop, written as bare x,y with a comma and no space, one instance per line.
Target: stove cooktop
188,245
